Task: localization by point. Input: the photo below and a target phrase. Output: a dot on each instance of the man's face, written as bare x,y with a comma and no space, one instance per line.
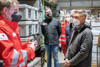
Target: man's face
11,10
47,12
79,17
14,7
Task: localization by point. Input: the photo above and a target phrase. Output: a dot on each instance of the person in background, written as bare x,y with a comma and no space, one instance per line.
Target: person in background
79,52
68,18
12,52
51,29
69,27
62,38
60,42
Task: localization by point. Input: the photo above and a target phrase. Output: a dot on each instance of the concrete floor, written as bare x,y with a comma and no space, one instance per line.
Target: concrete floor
61,60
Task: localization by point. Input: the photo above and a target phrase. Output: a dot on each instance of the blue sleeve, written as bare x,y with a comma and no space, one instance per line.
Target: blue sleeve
68,30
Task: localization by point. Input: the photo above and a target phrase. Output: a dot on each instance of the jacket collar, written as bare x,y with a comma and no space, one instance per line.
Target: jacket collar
13,25
75,30
78,29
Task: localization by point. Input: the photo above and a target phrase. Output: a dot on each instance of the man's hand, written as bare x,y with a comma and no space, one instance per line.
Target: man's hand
33,45
67,63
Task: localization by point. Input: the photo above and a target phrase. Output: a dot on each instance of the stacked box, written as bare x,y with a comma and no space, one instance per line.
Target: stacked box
35,63
95,49
28,28
24,39
29,25
28,12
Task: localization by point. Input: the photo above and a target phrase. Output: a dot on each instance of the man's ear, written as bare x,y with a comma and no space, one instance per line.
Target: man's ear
84,18
5,10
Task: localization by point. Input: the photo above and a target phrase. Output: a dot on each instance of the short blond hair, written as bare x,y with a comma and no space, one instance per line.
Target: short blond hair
6,3
73,11
82,12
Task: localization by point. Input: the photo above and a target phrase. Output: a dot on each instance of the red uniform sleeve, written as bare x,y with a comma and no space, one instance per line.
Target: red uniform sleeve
12,56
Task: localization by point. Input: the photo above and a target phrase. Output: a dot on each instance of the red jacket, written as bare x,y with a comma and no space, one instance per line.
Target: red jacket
62,38
12,52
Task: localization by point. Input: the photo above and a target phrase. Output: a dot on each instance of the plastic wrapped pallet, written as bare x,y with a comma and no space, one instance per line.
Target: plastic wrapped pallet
28,12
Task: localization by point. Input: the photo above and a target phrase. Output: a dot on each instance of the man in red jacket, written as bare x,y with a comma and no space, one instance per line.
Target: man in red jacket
12,52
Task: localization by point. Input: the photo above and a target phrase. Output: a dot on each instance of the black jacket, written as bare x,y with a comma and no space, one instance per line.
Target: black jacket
51,29
80,50
69,31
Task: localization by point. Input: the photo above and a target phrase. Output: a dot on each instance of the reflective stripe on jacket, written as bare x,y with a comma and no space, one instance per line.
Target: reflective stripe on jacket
12,51
62,38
